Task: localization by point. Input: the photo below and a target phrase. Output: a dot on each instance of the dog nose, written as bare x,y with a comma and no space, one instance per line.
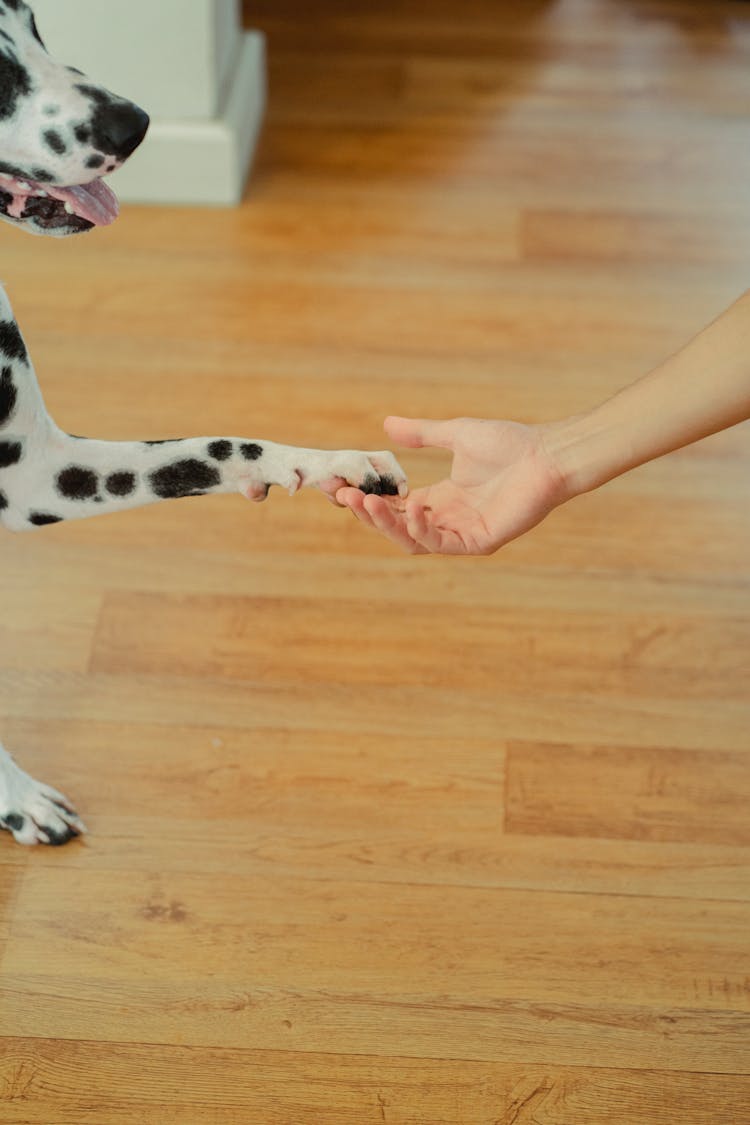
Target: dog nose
122,127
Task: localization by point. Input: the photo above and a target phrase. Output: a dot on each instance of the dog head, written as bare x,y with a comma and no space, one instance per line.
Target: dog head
59,135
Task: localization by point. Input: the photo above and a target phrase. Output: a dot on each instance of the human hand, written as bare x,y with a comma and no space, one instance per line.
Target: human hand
504,480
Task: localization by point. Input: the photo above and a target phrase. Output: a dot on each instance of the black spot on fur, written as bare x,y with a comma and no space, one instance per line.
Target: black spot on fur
190,477
82,134
95,161
11,341
15,83
220,450
99,97
3,501
42,175
42,519
10,453
14,821
250,451
54,141
77,483
379,486
8,395
120,484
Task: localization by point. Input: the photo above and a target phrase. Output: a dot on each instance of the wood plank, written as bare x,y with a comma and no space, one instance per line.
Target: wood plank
233,1014
309,640
316,840
185,927
390,711
9,889
186,1085
620,236
428,811
48,629
628,793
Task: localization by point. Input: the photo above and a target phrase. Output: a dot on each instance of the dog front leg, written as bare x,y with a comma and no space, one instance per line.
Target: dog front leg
33,812
55,477
47,475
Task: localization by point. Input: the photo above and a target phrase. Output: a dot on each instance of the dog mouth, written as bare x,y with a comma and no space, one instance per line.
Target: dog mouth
58,209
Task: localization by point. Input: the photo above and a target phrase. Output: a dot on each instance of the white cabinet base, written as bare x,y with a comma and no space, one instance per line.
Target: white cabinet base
204,161
194,70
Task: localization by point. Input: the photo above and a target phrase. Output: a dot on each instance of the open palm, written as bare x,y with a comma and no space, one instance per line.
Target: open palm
503,481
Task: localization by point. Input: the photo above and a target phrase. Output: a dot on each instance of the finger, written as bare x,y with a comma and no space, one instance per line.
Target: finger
421,530
418,432
391,522
353,499
331,487
424,531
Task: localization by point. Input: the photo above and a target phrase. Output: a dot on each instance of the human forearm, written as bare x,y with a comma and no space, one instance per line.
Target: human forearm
506,477
702,389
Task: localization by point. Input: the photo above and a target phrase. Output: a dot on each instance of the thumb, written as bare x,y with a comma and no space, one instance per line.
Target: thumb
418,432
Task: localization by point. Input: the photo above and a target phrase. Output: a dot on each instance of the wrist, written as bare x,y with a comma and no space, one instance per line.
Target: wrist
581,450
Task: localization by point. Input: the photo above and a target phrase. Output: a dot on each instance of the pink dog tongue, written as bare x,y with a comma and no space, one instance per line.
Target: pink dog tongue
95,202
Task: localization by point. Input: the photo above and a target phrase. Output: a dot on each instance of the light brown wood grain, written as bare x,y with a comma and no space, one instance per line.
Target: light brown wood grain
180,1083
328,806
303,639
621,237
374,838
619,791
241,1015
350,940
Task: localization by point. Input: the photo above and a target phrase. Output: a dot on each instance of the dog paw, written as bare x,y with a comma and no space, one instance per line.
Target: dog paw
293,468
378,473
37,814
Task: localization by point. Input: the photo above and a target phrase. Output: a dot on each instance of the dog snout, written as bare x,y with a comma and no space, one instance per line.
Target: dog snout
121,128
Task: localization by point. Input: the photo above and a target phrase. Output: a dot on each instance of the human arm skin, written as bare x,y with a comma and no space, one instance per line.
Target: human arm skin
506,477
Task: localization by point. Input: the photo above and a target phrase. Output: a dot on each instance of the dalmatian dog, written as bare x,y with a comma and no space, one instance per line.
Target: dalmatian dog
59,135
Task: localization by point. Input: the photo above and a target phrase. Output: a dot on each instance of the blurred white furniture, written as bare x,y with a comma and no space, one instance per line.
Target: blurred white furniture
191,66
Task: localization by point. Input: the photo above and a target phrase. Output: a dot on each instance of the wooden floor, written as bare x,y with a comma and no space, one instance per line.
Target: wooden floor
379,839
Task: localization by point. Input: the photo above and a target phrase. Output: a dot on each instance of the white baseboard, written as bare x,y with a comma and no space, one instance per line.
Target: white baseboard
203,162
